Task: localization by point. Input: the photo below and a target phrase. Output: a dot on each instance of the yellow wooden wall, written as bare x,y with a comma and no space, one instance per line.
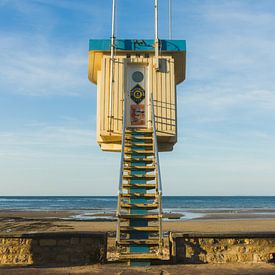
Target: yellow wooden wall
161,83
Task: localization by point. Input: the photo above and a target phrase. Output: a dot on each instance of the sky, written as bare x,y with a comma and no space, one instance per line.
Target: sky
226,106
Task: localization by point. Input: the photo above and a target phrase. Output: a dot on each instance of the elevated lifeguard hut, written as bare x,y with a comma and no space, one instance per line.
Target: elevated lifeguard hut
137,116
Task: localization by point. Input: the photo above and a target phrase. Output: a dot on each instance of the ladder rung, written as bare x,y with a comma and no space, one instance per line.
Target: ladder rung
150,168
138,151
138,144
132,137
137,176
140,205
138,130
139,185
139,195
128,256
139,228
127,242
140,216
147,160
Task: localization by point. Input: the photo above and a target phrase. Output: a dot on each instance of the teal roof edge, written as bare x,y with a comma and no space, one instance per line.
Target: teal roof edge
136,45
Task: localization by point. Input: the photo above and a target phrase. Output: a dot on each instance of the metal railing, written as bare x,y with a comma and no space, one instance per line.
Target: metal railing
158,174
156,145
121,170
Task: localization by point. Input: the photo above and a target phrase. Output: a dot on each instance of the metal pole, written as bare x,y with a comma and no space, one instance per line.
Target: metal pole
170,19
112,66
156,36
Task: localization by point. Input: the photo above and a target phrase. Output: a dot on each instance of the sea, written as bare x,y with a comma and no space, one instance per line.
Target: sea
187,207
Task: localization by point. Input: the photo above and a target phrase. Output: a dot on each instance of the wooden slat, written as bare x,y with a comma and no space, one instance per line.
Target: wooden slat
127,144
138,130
135,167
140,216
132,137
137,176
147,160
129,256
139,205
137,151
139,185
139,195
140,228
139,241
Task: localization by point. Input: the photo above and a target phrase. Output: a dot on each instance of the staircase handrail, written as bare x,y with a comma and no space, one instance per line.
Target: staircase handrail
156,144
122,145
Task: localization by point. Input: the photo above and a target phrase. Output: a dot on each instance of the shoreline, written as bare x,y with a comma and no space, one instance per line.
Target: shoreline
94,215
45,221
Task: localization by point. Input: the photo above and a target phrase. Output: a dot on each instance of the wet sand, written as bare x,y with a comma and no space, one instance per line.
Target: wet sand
38,221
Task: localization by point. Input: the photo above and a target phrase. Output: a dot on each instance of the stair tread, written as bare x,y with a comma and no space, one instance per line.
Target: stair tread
139,176
148,160
135,167
139,216
141,185
139,195
137,151
126,256
140,228
131,137
139,205
139,241
139,144
139,130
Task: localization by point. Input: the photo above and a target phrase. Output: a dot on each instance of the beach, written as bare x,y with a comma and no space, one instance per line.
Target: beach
41,221
97,214
12,221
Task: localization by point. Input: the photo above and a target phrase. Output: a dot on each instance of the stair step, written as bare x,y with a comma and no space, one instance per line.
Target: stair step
135,167
138,151
140,185
139,228
146,160
133,137
139,195
138,130
139,256
137,176
140,205
128,242
140,216
127,144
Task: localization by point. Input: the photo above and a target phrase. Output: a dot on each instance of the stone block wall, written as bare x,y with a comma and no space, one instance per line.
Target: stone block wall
54,248
223,247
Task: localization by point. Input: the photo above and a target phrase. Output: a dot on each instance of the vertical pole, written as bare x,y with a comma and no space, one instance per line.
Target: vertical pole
170,19
156,37
112,67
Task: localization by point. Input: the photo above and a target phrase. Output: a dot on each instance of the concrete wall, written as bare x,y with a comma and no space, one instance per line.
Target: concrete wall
46,249
222,247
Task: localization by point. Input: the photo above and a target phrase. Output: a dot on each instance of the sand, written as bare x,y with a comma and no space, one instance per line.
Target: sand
41,221
52,221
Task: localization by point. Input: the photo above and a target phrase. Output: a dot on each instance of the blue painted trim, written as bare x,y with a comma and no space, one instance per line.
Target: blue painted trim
136,45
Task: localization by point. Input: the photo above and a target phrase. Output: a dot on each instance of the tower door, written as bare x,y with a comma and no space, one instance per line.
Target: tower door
137,95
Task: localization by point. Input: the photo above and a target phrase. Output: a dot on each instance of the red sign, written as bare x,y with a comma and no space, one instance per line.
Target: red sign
137,114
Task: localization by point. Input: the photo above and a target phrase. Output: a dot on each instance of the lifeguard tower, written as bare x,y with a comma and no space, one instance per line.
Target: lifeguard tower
137,116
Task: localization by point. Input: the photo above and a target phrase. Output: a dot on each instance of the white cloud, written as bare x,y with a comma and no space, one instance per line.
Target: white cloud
31,66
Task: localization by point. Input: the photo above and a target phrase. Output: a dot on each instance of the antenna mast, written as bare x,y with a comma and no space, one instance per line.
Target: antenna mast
156,37
112,65
170,18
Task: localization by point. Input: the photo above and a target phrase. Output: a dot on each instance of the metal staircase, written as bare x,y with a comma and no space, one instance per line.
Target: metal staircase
139,210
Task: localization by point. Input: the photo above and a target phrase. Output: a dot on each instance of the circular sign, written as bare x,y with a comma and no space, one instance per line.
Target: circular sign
137,76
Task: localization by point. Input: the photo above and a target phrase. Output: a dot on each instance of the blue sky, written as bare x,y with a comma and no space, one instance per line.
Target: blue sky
226,106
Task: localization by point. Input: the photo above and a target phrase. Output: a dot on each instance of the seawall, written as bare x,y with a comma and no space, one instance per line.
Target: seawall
54,248
195,248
